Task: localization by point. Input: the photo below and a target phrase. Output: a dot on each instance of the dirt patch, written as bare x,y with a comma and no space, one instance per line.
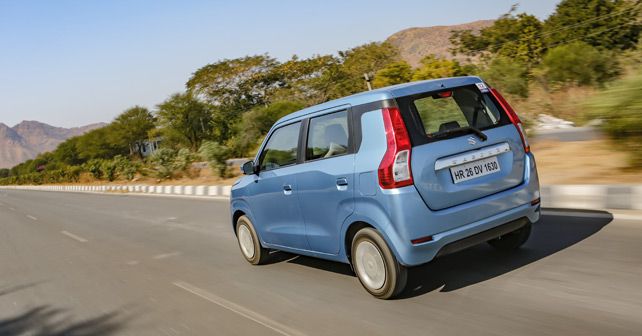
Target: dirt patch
583,162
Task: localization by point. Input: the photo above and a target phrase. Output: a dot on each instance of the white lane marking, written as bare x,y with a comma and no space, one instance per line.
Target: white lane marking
132,262
12,209
238,309
32,217
166,255
592,215
73,236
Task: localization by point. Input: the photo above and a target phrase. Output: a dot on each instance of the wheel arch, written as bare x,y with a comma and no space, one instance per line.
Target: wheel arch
351,231
370,214
239,208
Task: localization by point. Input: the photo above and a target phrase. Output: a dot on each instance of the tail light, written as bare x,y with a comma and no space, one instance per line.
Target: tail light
513,118
394,169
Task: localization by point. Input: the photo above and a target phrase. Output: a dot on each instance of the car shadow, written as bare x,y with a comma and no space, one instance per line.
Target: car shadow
553,233
50,321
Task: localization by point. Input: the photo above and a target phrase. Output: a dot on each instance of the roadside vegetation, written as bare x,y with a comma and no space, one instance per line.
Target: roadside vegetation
583,62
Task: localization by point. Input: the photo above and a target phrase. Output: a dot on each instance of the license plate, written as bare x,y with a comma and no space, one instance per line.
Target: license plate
475,169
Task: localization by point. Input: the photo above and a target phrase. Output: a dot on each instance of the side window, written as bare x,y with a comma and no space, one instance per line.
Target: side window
328,136
281,148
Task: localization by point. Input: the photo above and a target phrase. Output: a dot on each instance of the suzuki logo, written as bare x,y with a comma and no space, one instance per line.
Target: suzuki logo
472,141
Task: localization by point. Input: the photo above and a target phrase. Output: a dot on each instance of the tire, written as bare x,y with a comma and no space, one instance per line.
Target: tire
249,242
513,240
376,266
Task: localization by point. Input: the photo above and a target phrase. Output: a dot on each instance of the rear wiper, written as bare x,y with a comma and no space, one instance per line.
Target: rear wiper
466,129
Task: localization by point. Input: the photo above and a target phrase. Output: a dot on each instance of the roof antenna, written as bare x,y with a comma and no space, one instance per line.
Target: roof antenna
368,79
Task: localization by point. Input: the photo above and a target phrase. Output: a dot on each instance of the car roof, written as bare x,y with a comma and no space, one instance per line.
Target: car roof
388,92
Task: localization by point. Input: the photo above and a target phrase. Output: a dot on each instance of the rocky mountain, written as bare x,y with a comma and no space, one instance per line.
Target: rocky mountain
29,138
416,43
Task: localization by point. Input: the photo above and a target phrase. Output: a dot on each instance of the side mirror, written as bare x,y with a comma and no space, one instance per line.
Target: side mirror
248,168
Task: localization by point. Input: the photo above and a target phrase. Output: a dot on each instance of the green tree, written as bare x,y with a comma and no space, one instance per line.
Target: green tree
184,120
508,76
240,83
578,63
256,123
394,73
67,152
609,24
304,79
432,67
347,78
514,36
131,128
100,144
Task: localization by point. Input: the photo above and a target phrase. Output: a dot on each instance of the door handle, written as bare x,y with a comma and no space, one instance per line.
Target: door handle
342,181
287,189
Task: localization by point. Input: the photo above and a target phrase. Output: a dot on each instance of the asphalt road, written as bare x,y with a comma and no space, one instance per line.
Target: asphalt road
84,264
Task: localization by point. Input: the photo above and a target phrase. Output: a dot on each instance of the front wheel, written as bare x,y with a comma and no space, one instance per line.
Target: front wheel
376,266
512,240
249,242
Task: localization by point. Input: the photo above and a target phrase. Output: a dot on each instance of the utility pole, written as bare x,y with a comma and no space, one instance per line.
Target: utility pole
367,78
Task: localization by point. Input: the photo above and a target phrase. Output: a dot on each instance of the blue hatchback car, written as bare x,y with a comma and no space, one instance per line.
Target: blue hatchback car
389,179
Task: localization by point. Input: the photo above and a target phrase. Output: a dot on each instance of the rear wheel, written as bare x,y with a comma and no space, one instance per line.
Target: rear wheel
249,242
512,240
376,266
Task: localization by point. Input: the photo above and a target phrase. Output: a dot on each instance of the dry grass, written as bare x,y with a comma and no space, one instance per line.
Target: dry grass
202,176
566,103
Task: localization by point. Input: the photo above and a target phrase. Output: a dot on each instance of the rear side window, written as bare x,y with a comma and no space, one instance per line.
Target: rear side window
442,112
328,136
281,149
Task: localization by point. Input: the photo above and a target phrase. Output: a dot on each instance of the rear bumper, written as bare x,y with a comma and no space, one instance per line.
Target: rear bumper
402,216
468,235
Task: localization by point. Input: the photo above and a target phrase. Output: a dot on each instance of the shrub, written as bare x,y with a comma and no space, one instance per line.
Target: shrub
620,107
108,170
183,160
508,76
163,162
215,154
578,63
94,168
124,167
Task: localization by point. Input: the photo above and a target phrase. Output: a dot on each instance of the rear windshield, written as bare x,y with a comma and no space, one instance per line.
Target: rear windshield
443,113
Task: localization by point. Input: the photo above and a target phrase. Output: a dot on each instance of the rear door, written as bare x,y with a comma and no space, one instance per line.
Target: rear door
326,180
464,146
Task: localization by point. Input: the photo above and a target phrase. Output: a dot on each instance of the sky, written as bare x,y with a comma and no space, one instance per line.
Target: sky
73,62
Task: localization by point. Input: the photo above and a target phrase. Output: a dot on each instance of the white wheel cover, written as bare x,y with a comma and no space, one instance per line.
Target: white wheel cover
246,241
370,265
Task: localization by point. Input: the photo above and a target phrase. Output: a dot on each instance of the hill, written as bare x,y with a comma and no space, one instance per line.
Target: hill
416,43
29,138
